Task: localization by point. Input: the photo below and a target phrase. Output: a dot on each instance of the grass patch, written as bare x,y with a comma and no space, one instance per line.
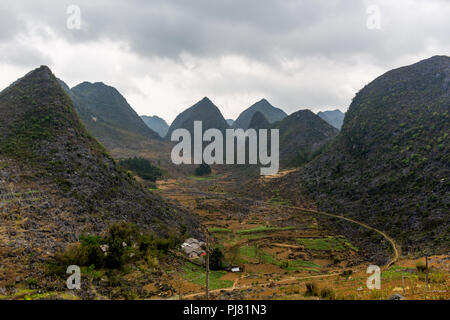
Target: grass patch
395,272
302,263
263,229
253,236
219,230
248,251
268,258
326,244
197,275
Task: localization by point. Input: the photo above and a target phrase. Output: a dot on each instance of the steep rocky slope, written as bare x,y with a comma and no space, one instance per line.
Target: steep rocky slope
108,116
389,166
302,134
57,181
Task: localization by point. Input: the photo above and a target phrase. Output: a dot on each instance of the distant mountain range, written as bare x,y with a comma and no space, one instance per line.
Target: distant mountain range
271,113
156,124
334,117
108,116
302,133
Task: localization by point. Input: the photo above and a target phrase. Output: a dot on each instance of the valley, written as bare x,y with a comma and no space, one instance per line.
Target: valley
85,182
279,249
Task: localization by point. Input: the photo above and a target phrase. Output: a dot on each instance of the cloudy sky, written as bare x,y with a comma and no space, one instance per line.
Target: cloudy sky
164,55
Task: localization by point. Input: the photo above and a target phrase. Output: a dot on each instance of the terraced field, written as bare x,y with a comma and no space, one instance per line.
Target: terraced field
279,249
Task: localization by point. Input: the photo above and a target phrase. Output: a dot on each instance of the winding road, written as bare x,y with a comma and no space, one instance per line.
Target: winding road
395,246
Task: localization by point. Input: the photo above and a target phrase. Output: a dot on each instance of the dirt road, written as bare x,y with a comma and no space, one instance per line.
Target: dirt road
394,245
235,287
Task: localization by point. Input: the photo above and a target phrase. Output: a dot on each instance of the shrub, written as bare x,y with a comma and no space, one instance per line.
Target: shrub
203,170
421,267
125,244
32,281
437,277
312,289
327,293
215,259
142,167
163,245
91,252
346,273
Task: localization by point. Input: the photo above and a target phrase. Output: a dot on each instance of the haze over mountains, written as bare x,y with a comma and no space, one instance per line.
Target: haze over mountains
333,117
109,118
156,124
389,165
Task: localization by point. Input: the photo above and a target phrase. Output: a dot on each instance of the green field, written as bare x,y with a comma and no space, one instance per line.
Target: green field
197,275
325,244
219,230
263,229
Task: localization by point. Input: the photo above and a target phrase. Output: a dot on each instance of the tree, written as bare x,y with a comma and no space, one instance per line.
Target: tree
215,260
142,167
203,169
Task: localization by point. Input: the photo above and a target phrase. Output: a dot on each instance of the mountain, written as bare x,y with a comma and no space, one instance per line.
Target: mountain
204,111
334,117
108,116
156,124
59,182
258,121
271,113
389,165
302,134
230,122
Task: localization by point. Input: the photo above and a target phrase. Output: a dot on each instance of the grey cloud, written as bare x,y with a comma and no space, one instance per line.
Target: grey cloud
22,55
254,28
267,32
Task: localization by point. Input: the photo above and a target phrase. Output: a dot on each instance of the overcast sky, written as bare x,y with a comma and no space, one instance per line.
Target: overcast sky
164,55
